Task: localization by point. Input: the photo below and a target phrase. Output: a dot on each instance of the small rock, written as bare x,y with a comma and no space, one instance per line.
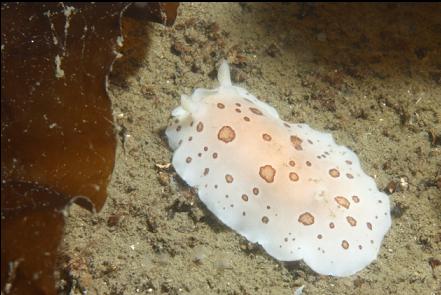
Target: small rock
164,178
404,184
114,219
433,262
398,210
391,187
148,91
299,290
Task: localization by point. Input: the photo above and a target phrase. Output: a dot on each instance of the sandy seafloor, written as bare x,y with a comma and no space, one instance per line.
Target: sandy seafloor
370,75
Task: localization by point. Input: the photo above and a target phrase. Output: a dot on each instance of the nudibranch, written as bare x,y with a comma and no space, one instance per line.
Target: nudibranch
286,186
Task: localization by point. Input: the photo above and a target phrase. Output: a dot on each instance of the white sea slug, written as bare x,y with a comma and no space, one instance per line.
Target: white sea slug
286,186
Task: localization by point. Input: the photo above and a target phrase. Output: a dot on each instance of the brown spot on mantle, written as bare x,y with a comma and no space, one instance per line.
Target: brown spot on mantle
306,218
296,142
267,172
226,134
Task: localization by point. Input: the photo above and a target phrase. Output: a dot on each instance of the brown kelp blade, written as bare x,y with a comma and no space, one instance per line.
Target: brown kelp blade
57,136
32,225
